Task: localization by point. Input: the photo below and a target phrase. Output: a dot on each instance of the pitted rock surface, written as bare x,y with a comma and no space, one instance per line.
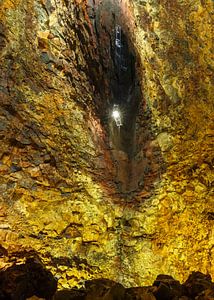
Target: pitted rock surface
90,200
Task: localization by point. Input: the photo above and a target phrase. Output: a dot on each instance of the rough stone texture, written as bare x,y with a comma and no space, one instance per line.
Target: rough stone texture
20,282
52,144
68,191
174,40
30,281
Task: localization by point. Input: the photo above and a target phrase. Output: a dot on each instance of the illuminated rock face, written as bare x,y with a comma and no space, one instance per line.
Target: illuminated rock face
69,191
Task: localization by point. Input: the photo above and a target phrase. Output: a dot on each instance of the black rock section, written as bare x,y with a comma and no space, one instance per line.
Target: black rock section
145,293
168,288
19,282
104,288
165,287
72,294
94,289
199,284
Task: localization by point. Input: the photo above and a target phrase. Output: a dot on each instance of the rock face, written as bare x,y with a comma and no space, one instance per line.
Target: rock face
30,279
20,282
89,199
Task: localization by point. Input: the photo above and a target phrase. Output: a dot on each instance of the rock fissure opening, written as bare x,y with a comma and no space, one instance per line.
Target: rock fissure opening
124,205
121,65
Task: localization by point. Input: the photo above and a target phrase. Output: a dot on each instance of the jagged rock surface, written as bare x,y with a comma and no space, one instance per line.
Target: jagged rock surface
31,280
20,282
61,172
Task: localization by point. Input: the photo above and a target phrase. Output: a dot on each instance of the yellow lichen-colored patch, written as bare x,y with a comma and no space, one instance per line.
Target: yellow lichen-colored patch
7,5
58,195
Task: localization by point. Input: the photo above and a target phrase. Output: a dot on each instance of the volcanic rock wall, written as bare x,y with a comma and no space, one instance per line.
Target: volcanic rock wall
60,172
174,39
52,144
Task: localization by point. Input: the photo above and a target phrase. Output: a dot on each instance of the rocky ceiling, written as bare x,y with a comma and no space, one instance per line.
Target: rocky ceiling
91,199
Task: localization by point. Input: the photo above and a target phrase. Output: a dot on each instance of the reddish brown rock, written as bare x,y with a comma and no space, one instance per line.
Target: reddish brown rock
94,200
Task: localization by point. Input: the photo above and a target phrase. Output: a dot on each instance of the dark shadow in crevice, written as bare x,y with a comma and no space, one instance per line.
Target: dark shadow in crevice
123,72
135,152
125,92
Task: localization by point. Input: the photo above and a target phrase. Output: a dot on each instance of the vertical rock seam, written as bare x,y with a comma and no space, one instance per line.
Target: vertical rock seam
90,201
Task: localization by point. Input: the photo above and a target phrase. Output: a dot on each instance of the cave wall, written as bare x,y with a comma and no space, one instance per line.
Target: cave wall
54,158
174,41
60,173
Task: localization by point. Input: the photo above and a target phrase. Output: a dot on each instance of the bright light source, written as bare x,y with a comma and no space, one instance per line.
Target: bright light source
115,114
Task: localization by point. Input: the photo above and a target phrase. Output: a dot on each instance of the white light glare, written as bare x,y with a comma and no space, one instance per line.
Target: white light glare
116,114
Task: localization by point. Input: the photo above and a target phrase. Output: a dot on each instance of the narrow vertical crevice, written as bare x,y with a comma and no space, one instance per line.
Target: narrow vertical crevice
119,61
123,83
126,94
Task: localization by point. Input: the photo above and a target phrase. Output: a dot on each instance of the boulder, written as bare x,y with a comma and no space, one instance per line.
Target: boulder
20,282
197,283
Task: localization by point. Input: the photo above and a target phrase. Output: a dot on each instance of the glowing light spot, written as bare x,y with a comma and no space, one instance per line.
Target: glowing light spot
116,115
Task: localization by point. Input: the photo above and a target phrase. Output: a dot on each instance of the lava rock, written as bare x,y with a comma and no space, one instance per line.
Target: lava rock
3,252
98,289
206,295
145,293
23,281
45,57
168,288
15,168
69,295
197,283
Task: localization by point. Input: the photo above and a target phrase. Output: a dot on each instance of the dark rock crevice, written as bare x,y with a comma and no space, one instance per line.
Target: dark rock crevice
72,183
122,73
